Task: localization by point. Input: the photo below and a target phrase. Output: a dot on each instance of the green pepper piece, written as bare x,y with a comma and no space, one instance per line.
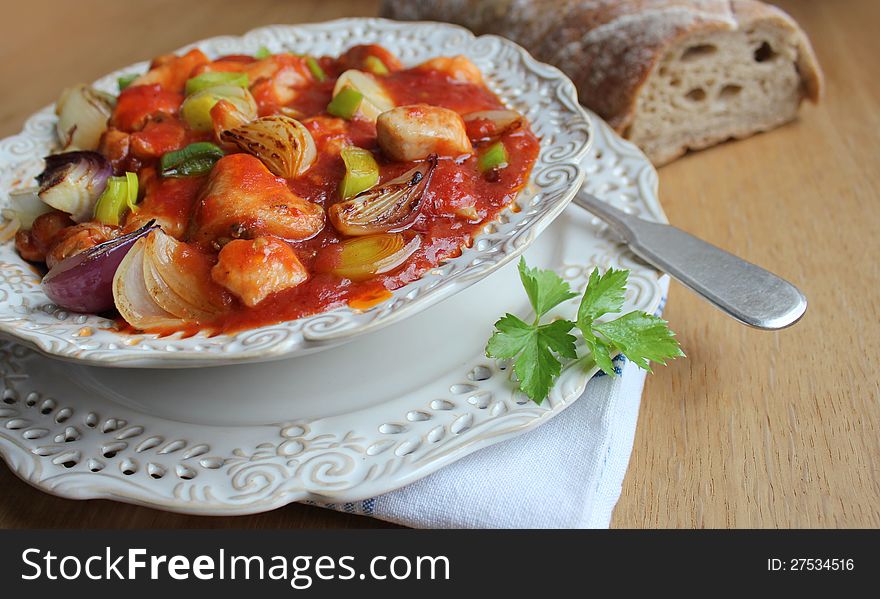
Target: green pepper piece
192,161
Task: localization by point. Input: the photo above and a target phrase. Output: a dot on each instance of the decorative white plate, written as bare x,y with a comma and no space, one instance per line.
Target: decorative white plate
364,419
540,91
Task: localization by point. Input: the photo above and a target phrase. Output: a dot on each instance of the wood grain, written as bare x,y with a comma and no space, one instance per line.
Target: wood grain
753,429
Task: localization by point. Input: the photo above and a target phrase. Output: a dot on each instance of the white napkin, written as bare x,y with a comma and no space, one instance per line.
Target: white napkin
566,473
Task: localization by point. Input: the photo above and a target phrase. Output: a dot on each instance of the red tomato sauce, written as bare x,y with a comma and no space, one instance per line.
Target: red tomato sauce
457,205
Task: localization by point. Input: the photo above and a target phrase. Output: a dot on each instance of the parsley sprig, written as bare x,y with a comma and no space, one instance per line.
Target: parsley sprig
539,348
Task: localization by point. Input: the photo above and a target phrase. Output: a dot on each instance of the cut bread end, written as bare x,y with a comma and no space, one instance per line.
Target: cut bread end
712,86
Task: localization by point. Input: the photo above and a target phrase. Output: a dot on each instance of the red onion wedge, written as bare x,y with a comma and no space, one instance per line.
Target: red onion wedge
73,181
84,282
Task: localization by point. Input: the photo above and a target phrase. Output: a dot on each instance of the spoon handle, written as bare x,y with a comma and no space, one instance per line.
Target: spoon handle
746,292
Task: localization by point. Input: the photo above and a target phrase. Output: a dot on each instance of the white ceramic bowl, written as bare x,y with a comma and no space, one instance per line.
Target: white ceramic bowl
541,92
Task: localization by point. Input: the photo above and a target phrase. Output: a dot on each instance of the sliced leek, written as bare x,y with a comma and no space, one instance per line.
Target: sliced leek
213,79
361,171
119,197
196,109
346,103
363,257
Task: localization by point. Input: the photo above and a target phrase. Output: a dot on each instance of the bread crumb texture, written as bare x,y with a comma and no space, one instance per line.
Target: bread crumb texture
670,75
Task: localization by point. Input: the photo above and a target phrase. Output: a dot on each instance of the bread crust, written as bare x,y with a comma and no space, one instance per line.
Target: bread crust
610,48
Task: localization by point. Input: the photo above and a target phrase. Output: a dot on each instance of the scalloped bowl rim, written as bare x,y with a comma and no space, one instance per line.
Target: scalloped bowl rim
251,346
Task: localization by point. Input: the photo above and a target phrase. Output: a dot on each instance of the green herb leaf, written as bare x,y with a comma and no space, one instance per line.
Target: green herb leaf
510,337
537,348
601,354
545,288
262,53
603,295
642,338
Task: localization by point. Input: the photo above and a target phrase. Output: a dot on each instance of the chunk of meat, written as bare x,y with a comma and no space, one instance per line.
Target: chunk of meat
330,133
254,269
458,68
244,200
137,103
416,131
78,238
171,72
33,245
158,137
356,57
277,80
115,145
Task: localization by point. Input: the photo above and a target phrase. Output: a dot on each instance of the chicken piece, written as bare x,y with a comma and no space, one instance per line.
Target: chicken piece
159,136
138,103
459,68
33,245
255,269
416,131
171,72
356,57
277,80
115,145
78,238
330,133
244,200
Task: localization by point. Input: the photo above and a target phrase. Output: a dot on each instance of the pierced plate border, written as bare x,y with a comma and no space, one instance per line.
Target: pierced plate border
540,91
82,445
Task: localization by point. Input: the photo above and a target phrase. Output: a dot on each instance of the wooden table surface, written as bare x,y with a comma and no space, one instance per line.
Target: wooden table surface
753,429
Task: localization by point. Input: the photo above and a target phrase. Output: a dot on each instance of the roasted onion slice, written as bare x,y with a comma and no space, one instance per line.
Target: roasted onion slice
390,207
132,297
83,282
83,113
283,144
157,286
73,181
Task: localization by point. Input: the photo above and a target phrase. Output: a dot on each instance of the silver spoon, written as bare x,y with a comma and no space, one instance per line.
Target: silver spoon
746,292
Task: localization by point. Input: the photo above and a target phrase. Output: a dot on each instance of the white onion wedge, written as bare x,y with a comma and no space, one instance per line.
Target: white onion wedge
83,113
283,144
152,290
133,299
182,291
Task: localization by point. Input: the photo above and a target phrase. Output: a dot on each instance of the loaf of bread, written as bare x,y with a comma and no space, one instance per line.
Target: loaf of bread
670,75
